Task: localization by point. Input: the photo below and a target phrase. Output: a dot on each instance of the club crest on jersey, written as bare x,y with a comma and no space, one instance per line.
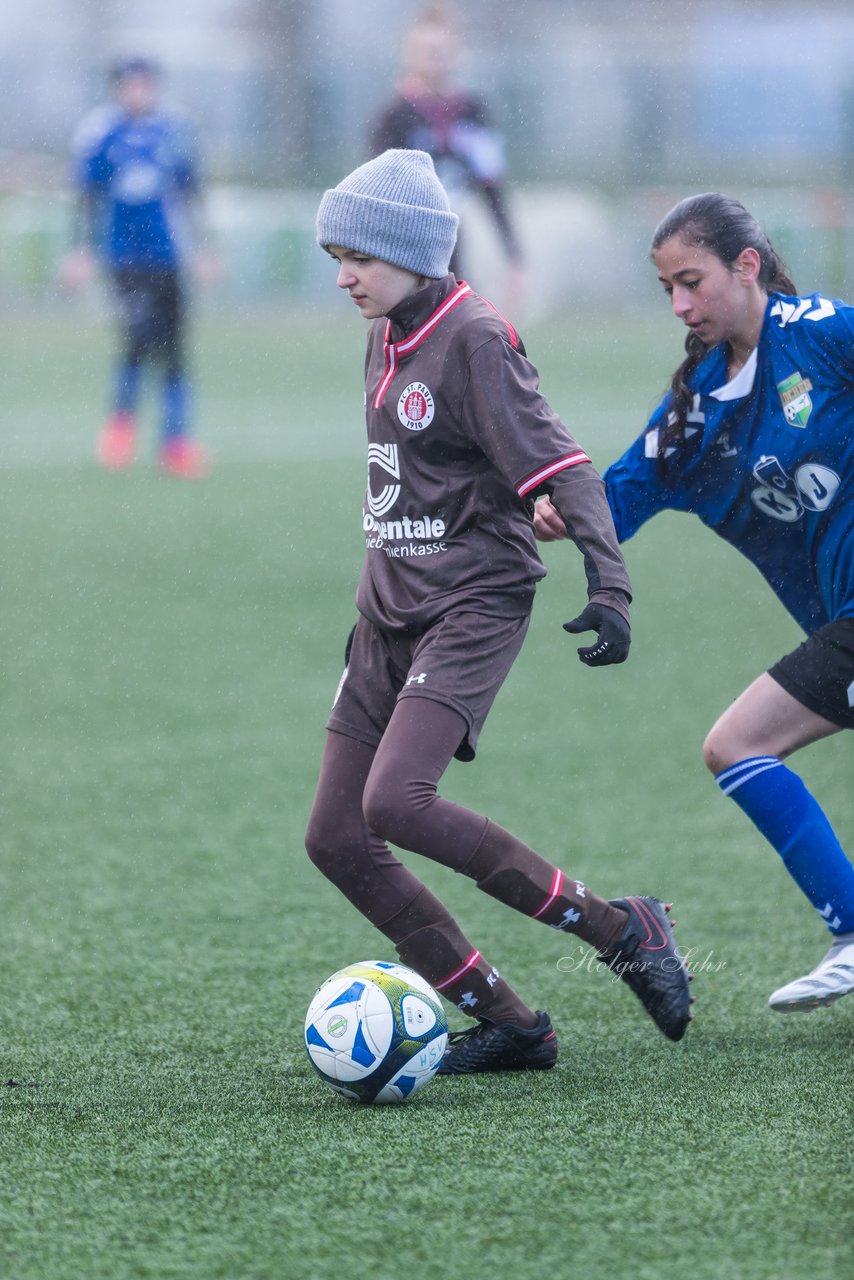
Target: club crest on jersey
415,408
795,399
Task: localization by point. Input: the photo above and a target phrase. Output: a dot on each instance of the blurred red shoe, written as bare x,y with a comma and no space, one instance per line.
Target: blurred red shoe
117,442
185,458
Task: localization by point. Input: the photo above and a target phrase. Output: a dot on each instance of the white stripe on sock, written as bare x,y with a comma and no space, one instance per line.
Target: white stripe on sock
745,771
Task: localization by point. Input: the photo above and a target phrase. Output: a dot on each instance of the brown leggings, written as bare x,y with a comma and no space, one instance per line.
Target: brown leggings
369,796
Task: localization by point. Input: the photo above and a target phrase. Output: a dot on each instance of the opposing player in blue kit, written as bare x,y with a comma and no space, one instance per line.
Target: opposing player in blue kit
136,170
756,437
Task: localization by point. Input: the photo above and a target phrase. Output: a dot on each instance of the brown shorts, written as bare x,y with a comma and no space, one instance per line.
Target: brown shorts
820,672
461,662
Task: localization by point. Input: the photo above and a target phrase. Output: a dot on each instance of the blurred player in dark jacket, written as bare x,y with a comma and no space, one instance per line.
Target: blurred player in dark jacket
429,113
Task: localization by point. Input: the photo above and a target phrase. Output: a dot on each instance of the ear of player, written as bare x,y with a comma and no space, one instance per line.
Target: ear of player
614,635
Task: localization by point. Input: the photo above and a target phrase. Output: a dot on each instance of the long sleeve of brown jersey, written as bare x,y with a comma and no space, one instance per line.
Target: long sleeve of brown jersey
520,431
579,495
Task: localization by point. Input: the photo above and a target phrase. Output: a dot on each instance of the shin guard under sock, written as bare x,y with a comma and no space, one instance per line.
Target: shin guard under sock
507,869
792,821
438,950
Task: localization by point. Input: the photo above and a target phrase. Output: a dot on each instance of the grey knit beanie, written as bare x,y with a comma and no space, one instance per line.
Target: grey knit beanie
393,208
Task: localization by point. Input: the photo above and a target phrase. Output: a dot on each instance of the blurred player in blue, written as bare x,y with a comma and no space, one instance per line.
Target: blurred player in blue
136,171
756,437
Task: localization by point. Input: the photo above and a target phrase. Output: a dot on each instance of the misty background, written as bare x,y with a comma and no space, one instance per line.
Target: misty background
611,110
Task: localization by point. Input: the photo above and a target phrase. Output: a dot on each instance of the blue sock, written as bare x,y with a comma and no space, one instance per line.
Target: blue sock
789,817
127,386
175,396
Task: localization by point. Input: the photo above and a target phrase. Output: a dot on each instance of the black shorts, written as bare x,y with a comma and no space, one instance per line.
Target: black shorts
820,672
152,307
462,661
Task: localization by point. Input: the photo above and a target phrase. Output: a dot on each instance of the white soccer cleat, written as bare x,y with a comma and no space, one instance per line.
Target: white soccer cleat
832,978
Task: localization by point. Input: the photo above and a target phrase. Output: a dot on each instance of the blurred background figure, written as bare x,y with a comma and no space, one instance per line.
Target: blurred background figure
427,112
136,170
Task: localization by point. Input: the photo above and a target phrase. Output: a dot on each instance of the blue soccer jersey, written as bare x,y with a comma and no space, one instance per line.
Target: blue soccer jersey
140,172
768,458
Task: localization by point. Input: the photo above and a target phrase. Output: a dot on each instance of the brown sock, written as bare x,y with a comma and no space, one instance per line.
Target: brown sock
507,869
429,941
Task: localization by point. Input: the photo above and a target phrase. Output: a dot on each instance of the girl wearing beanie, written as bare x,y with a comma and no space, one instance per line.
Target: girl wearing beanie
460,443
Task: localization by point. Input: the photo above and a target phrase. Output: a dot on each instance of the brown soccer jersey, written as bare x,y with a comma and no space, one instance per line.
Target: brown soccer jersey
460,440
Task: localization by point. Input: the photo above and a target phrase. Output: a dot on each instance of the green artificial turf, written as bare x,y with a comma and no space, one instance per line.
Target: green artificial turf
169,652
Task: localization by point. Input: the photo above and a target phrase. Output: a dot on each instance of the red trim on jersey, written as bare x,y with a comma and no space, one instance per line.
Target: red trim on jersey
469,963
512,334
571,460
390,367
396,351
554,892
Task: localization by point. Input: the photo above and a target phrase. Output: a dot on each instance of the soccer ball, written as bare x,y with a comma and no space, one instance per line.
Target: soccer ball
376,1032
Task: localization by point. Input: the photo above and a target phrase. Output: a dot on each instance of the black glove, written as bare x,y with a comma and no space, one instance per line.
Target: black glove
615,635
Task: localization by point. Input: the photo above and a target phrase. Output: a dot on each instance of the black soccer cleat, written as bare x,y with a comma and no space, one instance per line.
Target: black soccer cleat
490,1046
648,960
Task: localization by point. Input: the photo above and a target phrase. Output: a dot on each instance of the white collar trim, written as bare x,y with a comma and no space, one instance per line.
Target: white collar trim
741,384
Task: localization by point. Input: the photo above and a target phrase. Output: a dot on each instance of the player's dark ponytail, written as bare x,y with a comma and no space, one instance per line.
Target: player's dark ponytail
724,227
